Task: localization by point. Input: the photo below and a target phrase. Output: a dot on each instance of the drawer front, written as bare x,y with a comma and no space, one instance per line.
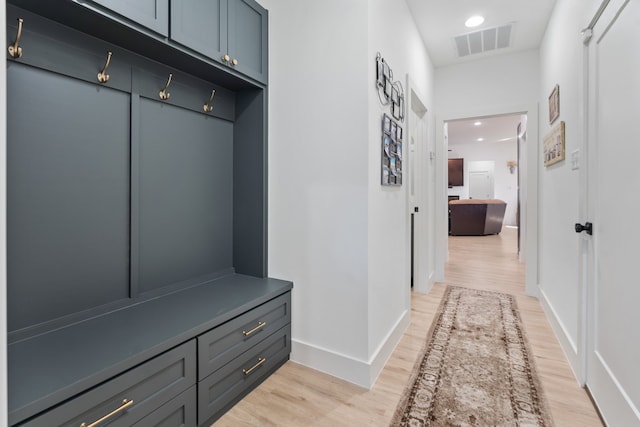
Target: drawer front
224,343
178,412
230,383
149,386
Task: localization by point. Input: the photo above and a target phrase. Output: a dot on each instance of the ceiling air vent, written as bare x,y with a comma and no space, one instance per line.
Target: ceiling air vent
484,40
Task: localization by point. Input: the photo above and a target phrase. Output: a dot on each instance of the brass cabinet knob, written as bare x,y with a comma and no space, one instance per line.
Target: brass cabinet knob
226,58
234,62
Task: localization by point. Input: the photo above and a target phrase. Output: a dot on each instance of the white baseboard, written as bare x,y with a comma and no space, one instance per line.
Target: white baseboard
614,403
568,346
385,349
357,371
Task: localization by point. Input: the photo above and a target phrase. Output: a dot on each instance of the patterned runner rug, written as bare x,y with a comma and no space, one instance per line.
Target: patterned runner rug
477,369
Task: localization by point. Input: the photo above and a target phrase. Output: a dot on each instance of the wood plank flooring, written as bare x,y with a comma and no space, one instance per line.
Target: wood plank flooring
299,396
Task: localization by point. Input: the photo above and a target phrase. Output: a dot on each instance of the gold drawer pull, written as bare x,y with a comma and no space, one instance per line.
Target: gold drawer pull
125,405
256,329
261,360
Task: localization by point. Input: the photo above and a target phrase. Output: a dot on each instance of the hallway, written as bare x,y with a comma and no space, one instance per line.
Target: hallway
297,395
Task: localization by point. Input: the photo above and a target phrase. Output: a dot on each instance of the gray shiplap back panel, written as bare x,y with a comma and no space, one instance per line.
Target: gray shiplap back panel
68,195
186,195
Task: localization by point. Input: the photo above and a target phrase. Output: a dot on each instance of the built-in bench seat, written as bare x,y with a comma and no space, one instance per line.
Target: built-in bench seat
50,368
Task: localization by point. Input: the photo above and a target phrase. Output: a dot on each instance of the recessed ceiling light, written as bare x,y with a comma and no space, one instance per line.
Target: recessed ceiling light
480,139
474,21
477,123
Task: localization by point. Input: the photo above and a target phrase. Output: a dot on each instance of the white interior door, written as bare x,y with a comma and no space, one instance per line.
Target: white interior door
613,327
418,189
480,185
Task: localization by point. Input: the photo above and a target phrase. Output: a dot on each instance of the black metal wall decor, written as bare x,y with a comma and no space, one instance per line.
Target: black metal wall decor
389,92
392,137
392,94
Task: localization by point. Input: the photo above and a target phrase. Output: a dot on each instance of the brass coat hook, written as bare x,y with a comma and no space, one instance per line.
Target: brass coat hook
164,95
103,77
14,49
208,107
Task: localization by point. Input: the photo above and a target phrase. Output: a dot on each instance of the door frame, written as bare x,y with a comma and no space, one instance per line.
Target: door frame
422,269
531,177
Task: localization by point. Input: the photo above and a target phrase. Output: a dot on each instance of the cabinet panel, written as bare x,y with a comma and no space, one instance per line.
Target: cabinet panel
200,25
248,38
153,14
68,195
219,28
226,342
178,412
229,384
185,175
149,386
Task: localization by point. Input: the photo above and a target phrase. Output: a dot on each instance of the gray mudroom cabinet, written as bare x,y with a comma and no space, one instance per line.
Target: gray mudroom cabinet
138,291
232,32
152,14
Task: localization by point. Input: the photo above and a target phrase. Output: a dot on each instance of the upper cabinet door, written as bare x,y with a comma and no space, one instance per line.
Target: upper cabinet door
201,25
231,32
153,14
248,35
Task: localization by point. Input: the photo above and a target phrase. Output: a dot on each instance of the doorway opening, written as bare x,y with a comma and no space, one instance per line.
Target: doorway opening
488,150
508,174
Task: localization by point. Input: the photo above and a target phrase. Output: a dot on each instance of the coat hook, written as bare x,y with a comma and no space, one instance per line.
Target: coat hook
103,77
208,107
14,50
164,95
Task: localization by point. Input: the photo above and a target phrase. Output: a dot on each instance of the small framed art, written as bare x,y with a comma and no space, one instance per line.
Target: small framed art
386,124
554,145
554,104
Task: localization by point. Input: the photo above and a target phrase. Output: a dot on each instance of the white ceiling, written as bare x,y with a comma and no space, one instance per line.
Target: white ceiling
491,129
439,21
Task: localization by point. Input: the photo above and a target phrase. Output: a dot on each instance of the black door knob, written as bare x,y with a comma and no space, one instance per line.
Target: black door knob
588,227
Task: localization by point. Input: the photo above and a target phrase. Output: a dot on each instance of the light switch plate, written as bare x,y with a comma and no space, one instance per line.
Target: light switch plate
575,160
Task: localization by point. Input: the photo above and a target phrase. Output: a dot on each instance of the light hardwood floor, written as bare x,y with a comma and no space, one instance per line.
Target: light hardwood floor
299,396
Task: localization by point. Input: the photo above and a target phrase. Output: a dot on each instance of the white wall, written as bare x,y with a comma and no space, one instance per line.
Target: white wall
487,84
488,87
392,32
561,63
505,183
318,169
333,230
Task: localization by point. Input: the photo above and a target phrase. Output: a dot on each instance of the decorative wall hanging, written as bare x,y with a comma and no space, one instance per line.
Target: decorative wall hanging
554,145
392,135
554,104
389,92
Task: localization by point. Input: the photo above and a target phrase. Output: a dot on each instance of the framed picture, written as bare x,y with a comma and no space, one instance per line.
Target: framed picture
554,104
554,145
386,145
395,111
379,71
386,124
385,176
395,95
387,87
399,134
394,129
401,107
